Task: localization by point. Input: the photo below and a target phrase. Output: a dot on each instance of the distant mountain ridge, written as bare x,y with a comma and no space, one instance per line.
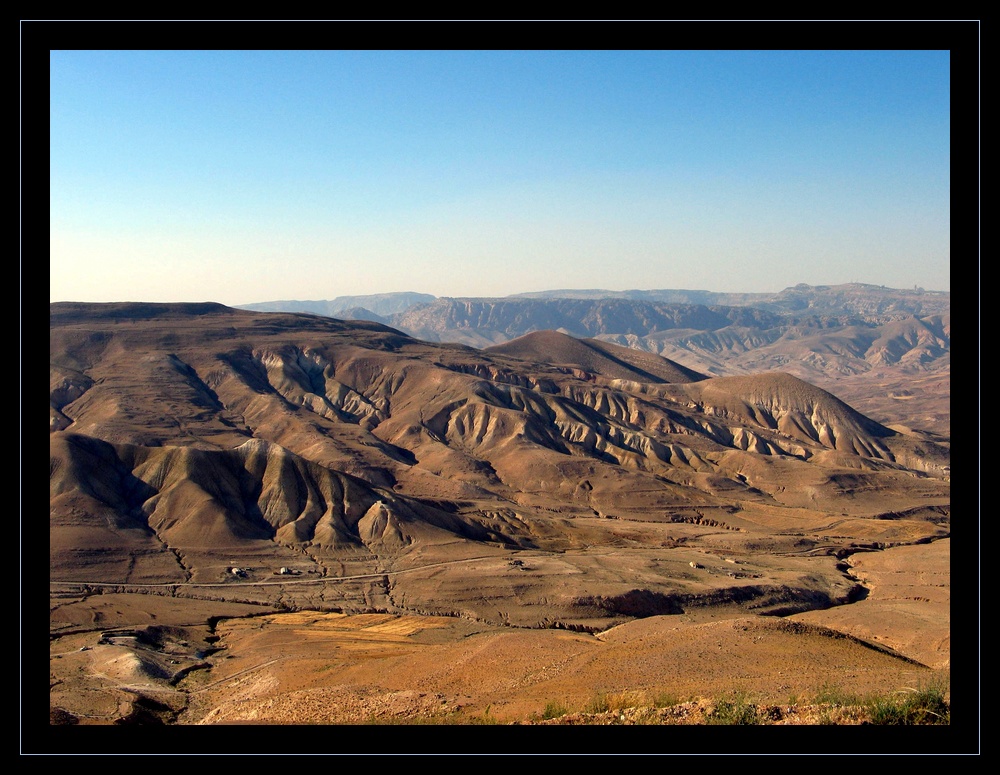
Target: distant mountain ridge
479,322
378,303
873,303
826,334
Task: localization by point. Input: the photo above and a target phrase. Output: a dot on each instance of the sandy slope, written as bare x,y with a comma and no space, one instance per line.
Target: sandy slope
313,667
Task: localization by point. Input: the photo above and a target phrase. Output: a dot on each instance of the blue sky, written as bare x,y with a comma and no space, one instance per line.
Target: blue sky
247,176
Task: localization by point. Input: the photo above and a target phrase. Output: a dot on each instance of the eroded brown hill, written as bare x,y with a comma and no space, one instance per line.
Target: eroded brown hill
231,434
291,461
886,348
595,357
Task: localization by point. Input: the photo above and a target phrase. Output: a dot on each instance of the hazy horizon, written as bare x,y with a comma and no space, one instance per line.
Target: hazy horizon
251,176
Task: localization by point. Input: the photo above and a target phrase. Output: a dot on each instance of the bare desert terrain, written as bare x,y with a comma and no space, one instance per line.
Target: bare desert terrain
310,667
277,519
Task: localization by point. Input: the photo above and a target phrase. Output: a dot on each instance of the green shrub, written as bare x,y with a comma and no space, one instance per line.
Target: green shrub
554,710
600,703
666,700
604,702
831,694
735,709
910,707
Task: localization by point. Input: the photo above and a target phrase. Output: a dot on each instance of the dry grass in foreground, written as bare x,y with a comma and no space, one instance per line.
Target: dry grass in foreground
908,707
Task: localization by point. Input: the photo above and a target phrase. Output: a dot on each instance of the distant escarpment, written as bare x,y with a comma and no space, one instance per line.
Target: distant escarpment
825,339
485,321
871,303
888,349
380,304
885,350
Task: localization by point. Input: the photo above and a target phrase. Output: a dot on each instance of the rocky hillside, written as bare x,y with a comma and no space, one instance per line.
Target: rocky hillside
886,350
190,439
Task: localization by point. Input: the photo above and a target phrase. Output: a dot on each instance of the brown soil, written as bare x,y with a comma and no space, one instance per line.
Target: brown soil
313,667
286,521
